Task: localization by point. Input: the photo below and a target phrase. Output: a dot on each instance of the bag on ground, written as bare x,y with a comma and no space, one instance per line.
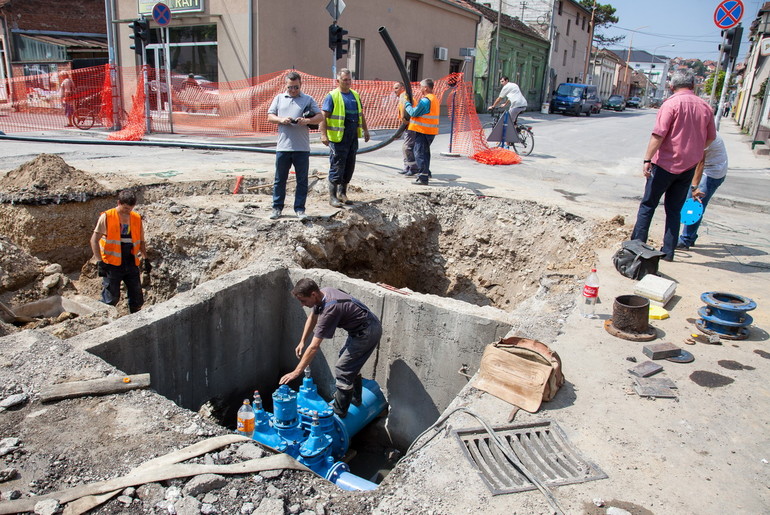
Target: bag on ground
636,259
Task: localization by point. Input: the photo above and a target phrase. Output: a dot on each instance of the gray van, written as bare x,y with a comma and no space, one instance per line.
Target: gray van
575,99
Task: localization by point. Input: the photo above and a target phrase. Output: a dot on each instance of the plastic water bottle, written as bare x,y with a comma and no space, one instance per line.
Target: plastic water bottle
245,422
590,295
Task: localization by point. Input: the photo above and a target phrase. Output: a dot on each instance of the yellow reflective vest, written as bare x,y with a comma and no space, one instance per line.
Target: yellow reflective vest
110,244
335,124
427,123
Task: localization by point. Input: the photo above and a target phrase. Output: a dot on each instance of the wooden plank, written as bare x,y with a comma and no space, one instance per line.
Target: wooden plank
103,386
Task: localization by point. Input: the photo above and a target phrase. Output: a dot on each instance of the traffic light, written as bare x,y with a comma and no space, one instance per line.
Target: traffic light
333,28
141,28
736,43
340,49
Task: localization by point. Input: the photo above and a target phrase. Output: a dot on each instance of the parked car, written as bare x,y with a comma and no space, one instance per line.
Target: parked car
634,102
575,99
615,102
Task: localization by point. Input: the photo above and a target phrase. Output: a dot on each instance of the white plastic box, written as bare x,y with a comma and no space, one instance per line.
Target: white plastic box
655,288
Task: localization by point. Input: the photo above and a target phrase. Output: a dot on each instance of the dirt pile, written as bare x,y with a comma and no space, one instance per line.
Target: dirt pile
46,179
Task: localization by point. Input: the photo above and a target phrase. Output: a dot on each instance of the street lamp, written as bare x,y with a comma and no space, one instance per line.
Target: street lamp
649,73
628,57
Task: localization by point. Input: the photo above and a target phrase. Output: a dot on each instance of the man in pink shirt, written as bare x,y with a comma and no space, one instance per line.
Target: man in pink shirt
683,129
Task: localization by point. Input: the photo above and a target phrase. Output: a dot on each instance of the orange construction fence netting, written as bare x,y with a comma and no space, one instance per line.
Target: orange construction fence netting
235,109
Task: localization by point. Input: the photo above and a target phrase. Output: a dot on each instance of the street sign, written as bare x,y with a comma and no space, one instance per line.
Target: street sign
335,8
161,14
728,13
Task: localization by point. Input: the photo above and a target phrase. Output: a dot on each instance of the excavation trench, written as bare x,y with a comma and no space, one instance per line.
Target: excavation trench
220,322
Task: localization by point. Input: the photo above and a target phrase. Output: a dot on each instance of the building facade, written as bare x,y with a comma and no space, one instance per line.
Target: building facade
519,53
233,40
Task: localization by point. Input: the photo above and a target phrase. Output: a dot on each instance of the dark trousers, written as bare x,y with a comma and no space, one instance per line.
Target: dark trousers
128,274
422,153
675,187
357,349
342,157
283,162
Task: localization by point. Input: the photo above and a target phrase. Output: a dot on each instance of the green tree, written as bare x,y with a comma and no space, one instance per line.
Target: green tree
709,83
604,16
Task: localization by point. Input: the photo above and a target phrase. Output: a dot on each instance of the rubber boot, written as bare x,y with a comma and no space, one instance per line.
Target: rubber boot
358,390
341,403
343,194
333,200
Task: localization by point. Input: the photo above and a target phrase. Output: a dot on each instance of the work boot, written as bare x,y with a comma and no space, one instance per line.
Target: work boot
343,194
358,390
333,200
341,402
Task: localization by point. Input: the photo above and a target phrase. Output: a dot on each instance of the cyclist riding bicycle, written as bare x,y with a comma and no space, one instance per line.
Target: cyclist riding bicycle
509,93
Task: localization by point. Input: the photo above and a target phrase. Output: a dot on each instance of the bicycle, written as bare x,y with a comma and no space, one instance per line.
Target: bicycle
525,135
89,113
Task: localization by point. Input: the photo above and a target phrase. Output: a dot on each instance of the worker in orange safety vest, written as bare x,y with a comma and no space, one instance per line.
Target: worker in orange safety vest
424,122
118,245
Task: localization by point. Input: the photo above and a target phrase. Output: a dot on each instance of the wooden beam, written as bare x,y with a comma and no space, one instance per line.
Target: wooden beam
103,386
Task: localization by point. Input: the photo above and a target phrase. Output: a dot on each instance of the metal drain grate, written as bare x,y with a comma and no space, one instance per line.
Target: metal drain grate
541,447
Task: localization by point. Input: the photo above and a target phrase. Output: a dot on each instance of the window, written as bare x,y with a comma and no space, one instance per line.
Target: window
569,22
412,62
193,49
560,2
355,53
556,43
574,48
535,76
577,19
584,23
564,62
455,65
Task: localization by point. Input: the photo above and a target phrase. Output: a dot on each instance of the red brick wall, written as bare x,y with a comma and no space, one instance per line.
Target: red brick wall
57,15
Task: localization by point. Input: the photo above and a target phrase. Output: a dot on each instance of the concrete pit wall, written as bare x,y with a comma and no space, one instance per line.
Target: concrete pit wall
237,333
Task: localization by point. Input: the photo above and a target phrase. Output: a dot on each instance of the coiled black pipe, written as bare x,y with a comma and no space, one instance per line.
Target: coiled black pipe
241,148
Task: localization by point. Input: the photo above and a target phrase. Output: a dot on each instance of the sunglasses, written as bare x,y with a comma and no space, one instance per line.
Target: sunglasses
292,87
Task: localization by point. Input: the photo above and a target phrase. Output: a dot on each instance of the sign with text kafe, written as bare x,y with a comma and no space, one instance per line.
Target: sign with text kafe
175,6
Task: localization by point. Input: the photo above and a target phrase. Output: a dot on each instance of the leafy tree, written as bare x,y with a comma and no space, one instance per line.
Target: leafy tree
709,83
604,16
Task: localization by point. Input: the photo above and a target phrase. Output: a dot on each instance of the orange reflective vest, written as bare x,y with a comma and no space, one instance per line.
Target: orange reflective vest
110,244
427,123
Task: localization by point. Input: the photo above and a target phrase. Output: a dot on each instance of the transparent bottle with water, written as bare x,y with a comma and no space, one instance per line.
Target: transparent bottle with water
590,295
245,421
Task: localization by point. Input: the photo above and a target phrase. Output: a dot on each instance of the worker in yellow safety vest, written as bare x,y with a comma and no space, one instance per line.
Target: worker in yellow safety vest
340,129
424,122
118,244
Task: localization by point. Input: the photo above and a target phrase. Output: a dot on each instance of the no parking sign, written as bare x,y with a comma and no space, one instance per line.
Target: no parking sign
728,14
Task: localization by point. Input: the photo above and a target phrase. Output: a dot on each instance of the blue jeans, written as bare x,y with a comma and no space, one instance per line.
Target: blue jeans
675,187
342,157
422,154
357,349
283,162
708,186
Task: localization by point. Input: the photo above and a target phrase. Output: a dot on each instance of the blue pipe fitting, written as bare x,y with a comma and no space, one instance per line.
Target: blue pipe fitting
725,315
340,475
304,426
372,404
263,430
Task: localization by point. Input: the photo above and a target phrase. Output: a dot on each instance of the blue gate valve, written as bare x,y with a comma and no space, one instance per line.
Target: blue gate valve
263,431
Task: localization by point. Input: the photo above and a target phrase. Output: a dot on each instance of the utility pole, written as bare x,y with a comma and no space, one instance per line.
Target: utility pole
589,80
493,76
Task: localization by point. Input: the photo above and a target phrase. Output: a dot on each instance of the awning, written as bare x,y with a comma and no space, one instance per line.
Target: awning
72,43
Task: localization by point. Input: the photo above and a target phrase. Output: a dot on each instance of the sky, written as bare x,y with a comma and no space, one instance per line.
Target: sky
689,25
